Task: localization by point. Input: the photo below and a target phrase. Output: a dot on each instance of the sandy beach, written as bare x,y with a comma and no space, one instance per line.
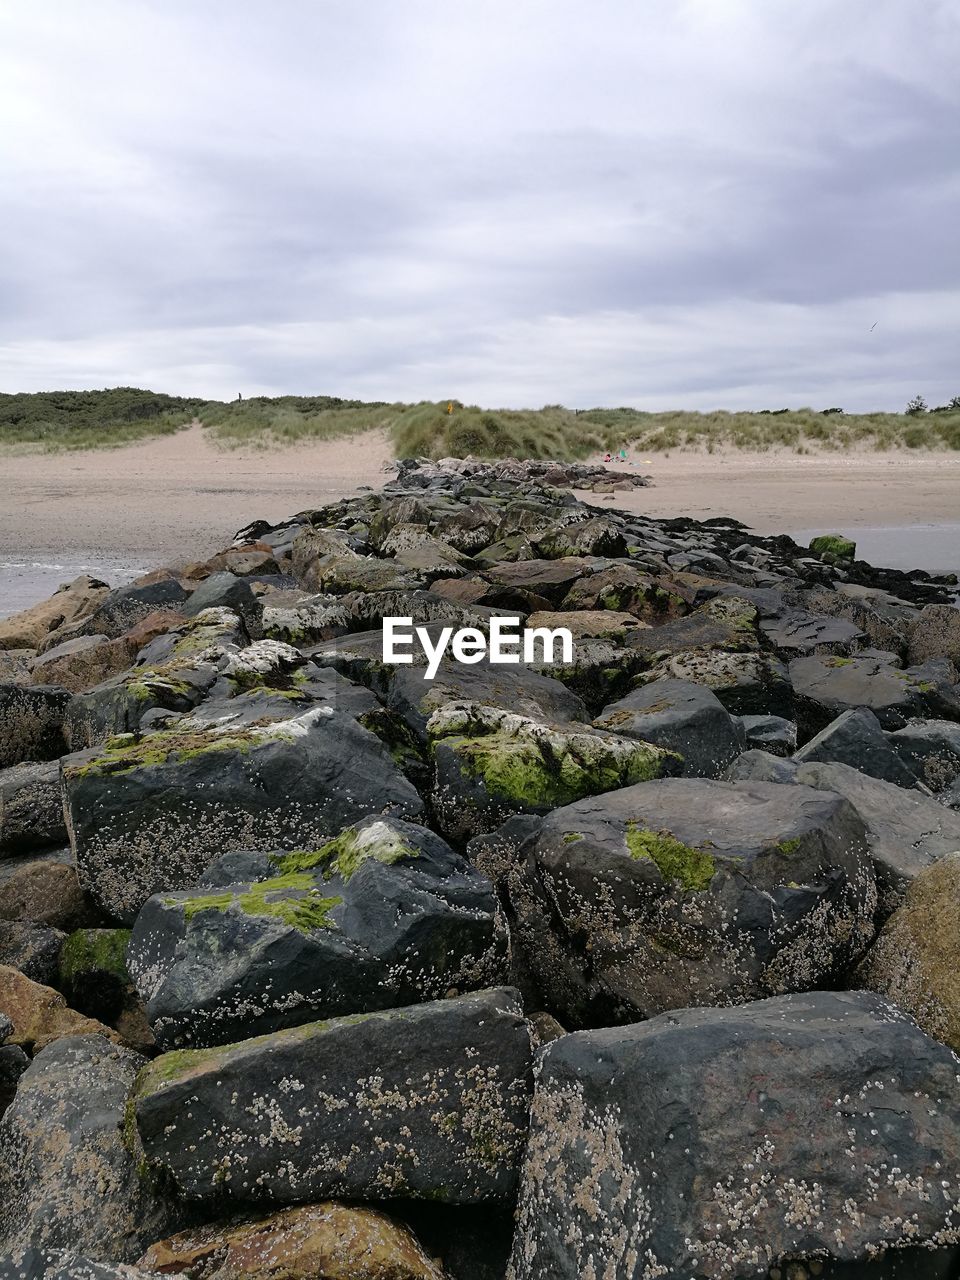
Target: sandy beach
183,496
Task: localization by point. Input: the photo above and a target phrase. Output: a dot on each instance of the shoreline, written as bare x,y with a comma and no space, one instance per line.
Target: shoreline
183,496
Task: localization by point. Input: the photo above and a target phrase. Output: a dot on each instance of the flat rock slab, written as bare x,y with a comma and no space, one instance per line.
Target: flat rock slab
907,830
152,813
713,1143
683,892
386,914
826,687
428,1101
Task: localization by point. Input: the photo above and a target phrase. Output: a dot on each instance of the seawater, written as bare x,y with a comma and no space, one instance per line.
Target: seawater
934,547
25,580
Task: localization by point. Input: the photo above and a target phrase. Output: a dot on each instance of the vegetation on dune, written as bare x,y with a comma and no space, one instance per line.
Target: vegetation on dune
84,419
91,419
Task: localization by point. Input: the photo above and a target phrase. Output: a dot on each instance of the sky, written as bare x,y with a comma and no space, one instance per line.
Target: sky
668,204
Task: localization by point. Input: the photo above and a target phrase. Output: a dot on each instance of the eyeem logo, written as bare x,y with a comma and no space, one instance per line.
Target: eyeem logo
506,643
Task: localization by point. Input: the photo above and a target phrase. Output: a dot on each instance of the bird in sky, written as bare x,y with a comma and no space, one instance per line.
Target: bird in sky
874,325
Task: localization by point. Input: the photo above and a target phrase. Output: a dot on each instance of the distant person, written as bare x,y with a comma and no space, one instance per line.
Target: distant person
239,395
623,455
607,458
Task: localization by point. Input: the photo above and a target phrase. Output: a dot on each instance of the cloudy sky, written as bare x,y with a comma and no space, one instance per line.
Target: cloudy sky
662,203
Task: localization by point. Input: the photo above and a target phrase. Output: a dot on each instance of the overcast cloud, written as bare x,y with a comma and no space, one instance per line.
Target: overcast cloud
647,202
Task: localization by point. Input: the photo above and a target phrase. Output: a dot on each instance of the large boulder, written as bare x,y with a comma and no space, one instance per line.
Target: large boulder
770,733
326,1241
31,807
735,1143
152,813
66,1179
746,683
86,661
682,717
826,687
386,914
120,610
31,722
688,891
490,763
73,601
856,738
428,1101
907,830
33,950
915,961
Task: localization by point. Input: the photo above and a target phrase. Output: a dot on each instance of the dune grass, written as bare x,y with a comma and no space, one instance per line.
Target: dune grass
72,420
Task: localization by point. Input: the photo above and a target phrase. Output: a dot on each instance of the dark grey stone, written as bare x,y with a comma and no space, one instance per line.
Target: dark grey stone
31,722
403,919
770,733
425,1102
683,717
31,807
67,1180
855,738
906,829
724,1142
688,891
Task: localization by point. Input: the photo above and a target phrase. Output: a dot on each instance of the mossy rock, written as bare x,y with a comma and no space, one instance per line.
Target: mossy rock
833,546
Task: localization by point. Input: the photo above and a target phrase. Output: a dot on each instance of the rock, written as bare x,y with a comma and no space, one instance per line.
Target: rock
726,623
384,915
626,588
414,699
936,634
31,723
915,960
13,1063
931,750
427,1101
761,766
73,601
691,892
490,764
16,665
745,683
247,561
152,813
6,1028
342,575
31,807
685,718
586,624
885,620
826,687
93,972
595,537
67,1181
32,949
121,609
833,546
45,892
549,579
824,1126
329,1240
40,1015
797,632
83,663
223,591
855,738
770,733
59,1264
907,830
